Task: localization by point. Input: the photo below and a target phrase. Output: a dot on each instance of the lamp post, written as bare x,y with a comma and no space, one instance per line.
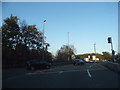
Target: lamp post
94,48
95,51
68,47
43,41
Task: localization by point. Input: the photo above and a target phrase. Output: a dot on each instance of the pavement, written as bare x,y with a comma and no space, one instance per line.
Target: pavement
112,66
93,75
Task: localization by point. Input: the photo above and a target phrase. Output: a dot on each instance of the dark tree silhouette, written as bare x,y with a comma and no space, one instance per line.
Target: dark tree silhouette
21,42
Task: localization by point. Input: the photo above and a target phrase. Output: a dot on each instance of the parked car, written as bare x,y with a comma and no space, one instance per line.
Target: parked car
33,65
78,62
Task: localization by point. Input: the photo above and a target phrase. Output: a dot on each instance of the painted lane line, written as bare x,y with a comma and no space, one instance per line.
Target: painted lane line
89,73
60,72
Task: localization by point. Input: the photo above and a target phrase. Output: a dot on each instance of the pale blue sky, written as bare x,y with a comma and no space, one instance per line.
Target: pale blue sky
87,23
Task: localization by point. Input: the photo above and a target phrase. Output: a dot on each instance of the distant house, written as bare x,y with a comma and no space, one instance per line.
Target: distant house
91,58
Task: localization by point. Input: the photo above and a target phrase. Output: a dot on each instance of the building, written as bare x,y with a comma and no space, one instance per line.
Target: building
92,58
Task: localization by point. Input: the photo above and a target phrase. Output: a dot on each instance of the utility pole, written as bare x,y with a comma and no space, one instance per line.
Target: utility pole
43,41
68,47
94,48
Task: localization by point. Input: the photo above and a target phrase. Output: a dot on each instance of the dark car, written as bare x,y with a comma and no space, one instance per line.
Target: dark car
33,65
78,62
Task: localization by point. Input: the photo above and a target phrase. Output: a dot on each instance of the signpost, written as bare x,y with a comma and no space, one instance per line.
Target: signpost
113,52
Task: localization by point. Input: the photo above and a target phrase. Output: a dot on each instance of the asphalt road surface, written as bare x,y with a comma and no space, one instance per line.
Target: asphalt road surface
90,75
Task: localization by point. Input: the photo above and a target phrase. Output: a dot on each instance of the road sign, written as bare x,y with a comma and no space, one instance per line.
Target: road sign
73,56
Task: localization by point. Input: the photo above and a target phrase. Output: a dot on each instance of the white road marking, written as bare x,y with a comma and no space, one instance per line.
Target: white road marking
60,72
29,73
89,73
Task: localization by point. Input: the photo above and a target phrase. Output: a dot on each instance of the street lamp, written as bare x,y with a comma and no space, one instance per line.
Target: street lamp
95,48
43,41
68,47
95,51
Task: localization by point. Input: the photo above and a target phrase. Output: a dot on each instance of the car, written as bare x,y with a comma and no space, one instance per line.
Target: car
78,62
110,60
33,65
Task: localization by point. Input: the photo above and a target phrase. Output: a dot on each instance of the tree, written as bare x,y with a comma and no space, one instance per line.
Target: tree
30,36
21,42
10,31
107,55
82,56
65,52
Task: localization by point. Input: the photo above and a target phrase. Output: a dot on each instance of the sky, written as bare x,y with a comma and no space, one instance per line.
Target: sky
86,22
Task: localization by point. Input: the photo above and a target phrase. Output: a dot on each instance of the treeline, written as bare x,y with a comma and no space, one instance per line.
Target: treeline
21,42
104,56
100,56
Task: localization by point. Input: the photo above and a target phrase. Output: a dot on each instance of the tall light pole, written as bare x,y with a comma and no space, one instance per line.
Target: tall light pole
68,47
95,51
94,48
43,41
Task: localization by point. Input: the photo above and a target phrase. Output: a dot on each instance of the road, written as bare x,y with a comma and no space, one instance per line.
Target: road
91,75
